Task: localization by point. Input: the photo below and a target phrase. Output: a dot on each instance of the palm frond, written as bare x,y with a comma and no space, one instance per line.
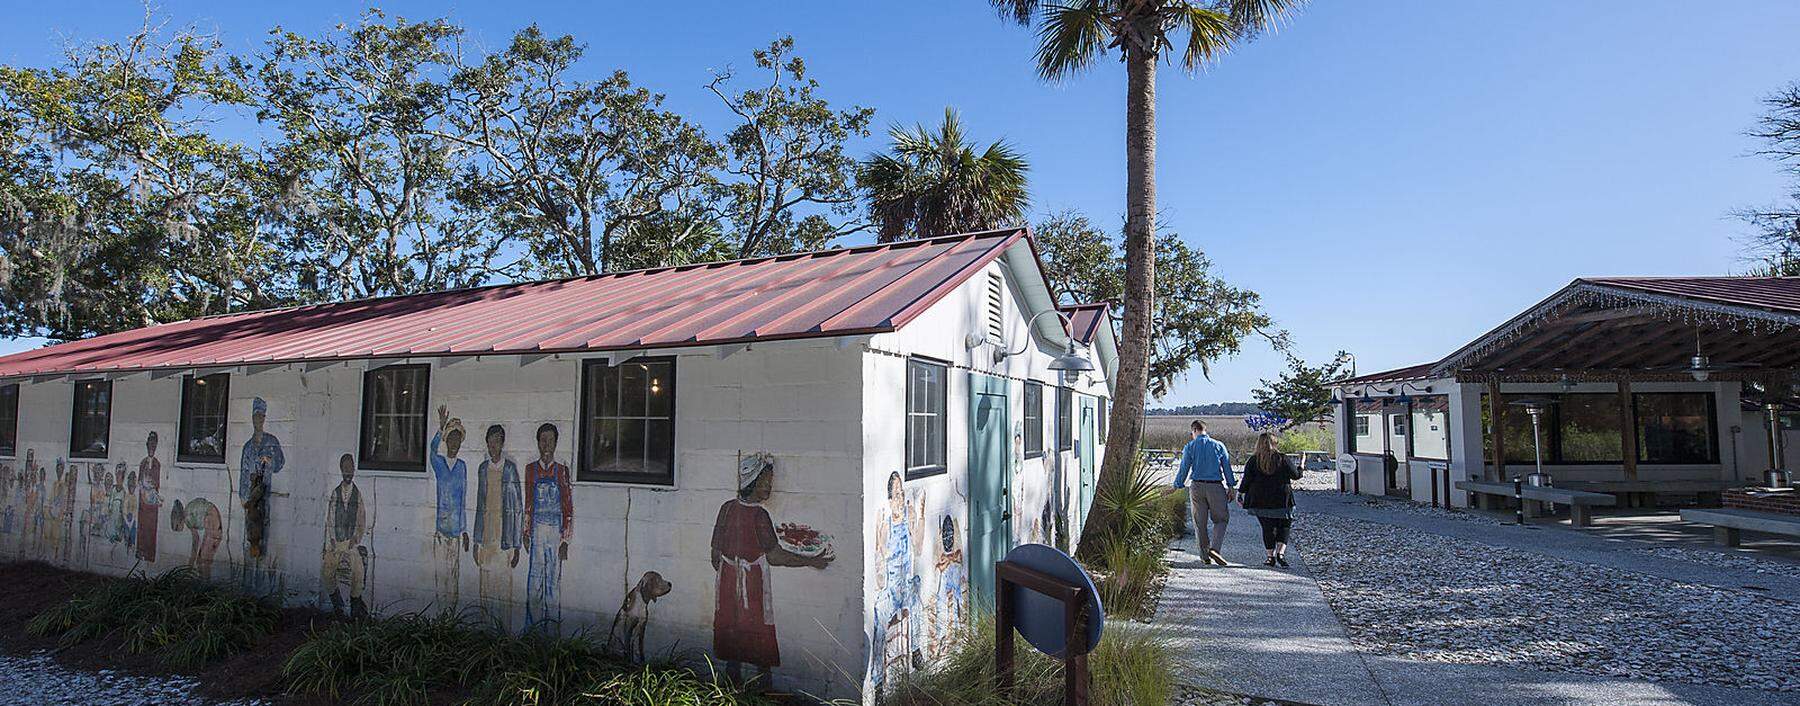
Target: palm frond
1018,11
1253,17
1210,32
1072,37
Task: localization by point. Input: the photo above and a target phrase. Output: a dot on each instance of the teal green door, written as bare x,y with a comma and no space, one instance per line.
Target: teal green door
1084,446
990,517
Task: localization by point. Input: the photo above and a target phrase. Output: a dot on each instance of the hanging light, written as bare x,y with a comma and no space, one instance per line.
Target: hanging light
1700,367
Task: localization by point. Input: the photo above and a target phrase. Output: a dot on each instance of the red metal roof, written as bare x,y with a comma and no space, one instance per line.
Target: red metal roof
1772,293
1085,319
845,291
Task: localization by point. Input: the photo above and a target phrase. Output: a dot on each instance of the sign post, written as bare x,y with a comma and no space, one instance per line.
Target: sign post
1047,597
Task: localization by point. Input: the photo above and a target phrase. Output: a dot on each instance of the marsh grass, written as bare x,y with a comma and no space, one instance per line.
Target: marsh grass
181,620
1132,666
416,658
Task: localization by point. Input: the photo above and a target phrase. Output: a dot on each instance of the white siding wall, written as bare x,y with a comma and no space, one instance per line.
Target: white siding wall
938,334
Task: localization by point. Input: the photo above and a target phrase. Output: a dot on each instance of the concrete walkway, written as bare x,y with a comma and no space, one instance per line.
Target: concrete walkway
1267,632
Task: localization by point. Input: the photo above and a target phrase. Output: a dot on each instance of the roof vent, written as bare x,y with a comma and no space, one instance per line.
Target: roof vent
996,308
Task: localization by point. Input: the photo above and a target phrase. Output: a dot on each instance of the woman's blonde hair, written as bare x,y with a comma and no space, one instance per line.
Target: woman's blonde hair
1265,452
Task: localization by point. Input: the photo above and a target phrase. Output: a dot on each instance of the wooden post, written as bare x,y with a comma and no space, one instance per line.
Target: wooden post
1496,422
1005,613
1075,599
1628,428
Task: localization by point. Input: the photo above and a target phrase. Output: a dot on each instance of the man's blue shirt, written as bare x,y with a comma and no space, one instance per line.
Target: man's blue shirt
1205,460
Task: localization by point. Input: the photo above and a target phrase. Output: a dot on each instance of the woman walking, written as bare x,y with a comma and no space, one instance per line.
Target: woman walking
1268,493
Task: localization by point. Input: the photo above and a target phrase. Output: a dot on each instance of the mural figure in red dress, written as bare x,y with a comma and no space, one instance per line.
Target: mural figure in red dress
744,547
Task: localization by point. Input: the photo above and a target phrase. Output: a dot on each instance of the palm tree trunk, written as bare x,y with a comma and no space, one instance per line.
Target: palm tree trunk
1126,426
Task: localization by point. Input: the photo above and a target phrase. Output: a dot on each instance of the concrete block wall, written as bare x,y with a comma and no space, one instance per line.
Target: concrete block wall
799,402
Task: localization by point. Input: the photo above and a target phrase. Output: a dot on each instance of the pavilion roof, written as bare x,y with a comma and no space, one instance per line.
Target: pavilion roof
1643,327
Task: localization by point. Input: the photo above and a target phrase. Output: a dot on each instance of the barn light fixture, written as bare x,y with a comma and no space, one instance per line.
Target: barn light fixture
1070,362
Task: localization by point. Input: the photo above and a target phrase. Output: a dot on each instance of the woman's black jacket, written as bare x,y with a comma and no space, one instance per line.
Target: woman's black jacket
1269,491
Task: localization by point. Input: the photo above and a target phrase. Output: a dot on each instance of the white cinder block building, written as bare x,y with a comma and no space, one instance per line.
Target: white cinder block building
804,465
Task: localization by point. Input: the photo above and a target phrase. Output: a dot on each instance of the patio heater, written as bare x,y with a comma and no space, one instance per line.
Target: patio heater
1776,476
1536,407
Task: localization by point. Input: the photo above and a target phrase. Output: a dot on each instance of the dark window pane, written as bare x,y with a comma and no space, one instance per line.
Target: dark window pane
925,419
1065,433
91,421
660,397
608,403
1034,419
394,402
631,446
202,430
1675,427
659,447
629,427
9,420
1588,429
1515,428
634,383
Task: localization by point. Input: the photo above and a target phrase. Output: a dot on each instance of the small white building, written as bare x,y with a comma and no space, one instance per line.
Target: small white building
804,464
1649,386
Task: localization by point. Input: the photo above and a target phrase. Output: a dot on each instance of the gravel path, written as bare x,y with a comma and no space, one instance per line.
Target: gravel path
1435,598
38,679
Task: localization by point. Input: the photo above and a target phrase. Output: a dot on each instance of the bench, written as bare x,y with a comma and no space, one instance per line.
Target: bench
1728,523
1581,502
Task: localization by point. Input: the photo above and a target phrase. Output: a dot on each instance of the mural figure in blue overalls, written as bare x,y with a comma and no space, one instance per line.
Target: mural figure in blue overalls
897,584
549,512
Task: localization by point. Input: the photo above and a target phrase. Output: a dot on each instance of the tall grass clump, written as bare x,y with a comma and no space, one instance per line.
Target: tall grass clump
183,621
1133,665
1142,517
417,658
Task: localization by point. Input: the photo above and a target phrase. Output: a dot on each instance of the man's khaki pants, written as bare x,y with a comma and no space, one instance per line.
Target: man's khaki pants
1208,500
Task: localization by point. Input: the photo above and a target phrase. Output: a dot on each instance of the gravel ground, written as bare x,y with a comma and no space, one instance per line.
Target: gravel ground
1441,513
1433,598
1731,561
38,679
1201,696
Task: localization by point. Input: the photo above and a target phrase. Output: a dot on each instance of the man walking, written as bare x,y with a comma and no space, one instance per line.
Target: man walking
1206,463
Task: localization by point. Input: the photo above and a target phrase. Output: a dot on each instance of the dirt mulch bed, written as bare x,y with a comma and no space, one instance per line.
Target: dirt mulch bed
27,588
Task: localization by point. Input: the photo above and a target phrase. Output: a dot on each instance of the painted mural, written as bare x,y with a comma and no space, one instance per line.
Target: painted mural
450,535
953,581
549,513
498,511
898,541
626,634
921,574
8,480
30,512
206,530
344,562
261,459
745,547
149,500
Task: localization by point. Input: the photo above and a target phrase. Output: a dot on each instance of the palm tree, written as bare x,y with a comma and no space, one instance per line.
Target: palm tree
932,182
1073,36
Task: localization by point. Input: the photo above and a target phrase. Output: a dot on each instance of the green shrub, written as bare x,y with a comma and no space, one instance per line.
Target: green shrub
1132,666
1141,516
182,620
1306,437
408,658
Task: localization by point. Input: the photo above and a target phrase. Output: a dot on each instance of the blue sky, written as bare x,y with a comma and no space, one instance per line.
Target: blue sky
1394,177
